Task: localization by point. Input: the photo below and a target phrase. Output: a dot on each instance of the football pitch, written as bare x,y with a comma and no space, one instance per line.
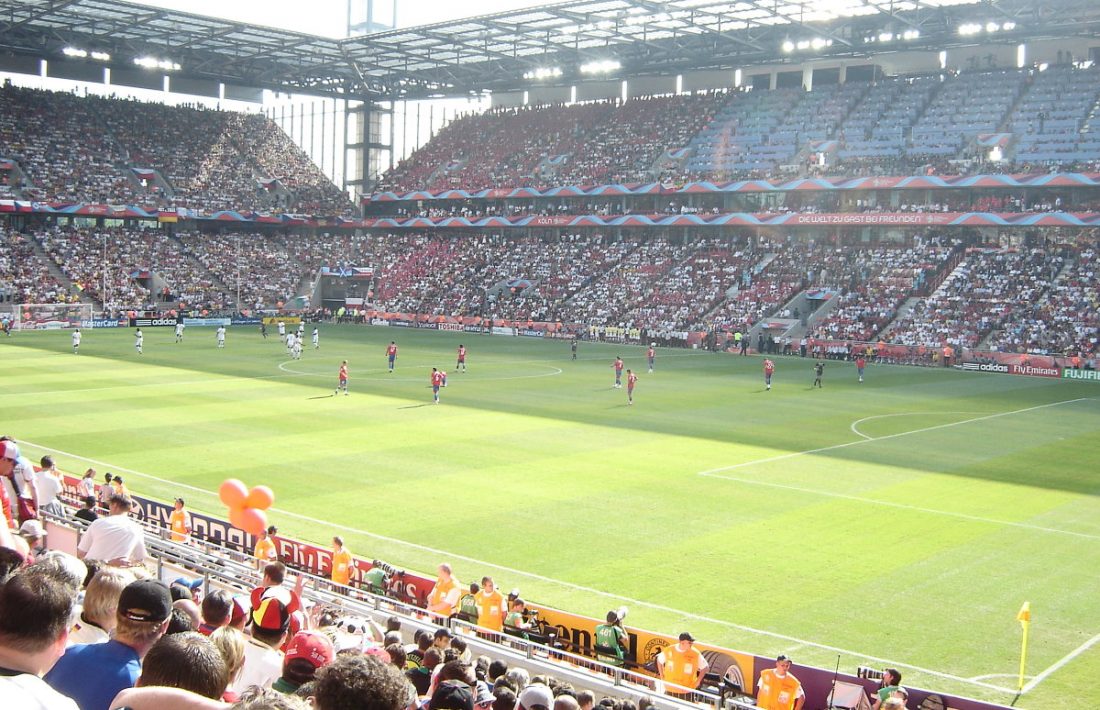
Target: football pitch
898,522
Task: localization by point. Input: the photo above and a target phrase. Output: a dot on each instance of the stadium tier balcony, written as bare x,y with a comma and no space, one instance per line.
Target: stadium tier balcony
965,106
625,148
878,125
737,141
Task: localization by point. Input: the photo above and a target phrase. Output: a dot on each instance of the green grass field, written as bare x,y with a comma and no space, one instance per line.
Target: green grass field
901,521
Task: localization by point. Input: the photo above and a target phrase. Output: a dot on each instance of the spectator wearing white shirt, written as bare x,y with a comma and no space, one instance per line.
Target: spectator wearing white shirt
115,539
49,487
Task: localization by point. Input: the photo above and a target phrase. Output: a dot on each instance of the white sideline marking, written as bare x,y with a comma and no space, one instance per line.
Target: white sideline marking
713,473
207,381
548,580
995,675
783,457
857,432
1061,662
905,506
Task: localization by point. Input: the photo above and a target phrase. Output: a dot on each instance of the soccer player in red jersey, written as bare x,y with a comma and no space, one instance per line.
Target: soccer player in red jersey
391,353
631,380
861,363
769,368
461,358
618,365
342,379
437,382
651,355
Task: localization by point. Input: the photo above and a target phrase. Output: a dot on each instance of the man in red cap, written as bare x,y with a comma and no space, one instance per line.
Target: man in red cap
308,652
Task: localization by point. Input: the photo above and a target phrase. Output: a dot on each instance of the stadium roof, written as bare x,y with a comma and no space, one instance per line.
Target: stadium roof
647,37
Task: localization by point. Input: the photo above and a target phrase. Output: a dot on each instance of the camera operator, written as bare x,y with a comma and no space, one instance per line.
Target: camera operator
519,619
612,640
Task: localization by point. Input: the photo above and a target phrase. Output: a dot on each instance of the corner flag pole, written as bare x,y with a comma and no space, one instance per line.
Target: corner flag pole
1024,617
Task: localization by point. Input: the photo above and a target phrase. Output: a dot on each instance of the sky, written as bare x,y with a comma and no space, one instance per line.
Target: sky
329,17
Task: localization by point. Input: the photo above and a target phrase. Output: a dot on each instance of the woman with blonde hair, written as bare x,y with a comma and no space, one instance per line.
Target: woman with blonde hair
98,616
231,642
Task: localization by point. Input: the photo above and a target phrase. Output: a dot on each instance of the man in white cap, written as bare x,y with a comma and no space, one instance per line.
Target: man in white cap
35,535
535,697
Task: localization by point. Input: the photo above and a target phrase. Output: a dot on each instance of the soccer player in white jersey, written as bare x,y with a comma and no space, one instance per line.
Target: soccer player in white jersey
76,341
179,331
139,340
221,336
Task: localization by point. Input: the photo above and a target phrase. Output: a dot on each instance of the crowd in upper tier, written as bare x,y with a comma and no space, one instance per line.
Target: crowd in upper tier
940,123
61,147
955,289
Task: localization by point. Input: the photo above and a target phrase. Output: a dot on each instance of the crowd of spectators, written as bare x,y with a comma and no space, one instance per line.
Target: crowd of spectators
589,279
607,299
258,266
872,283
1066,319
24,277
276,156
100,631
93,149
984,292
99,262
626,148
63,147
779,269
697,284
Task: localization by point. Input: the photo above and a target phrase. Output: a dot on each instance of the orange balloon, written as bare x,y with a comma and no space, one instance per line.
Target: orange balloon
260,497
236,517
253,521
233,492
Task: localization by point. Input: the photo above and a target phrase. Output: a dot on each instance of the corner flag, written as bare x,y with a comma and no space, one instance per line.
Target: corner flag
1024,617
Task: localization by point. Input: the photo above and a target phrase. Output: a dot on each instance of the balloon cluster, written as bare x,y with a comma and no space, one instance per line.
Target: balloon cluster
246,507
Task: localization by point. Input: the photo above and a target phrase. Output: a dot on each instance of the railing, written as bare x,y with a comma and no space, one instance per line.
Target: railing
230,570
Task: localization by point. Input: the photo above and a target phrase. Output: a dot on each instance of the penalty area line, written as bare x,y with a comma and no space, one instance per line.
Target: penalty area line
718,473
549,580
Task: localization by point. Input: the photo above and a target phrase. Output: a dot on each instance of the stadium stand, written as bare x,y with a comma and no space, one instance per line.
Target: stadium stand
266,271
1064,319
1051,124
24,277
877,127
873,283
986,290
349,618
99,262
74,148
965,106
